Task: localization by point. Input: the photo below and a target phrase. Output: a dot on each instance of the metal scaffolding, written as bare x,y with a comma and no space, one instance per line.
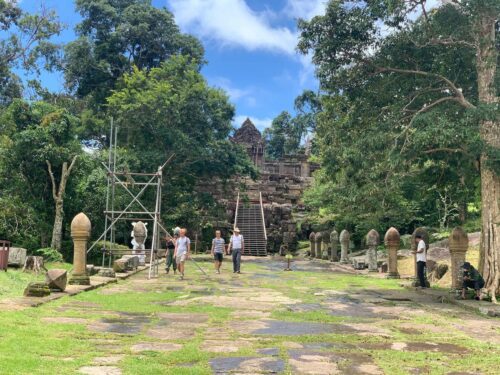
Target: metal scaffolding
135,210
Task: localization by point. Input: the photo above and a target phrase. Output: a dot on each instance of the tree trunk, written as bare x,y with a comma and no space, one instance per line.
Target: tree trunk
35,264
57,229
58,196
490,133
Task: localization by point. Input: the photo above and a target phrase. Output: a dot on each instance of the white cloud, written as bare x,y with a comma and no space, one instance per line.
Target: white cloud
233,22
305,9
246,95
260,123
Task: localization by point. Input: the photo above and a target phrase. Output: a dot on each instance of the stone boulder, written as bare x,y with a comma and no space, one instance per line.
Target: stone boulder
37,290
132,261
91,270
17,256
120,265
106,272
56,279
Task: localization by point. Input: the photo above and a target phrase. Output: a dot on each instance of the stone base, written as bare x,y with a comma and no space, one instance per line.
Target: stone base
373,270
79,280
37,290
392,276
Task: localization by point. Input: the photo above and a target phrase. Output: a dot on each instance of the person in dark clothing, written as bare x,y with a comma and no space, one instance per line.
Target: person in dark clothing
170,254
472,279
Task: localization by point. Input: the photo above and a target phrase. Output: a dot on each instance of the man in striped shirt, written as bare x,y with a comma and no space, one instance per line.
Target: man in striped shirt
218,250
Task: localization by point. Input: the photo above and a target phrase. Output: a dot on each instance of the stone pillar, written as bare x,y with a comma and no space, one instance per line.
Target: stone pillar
459,243
345,239
80,232
425,235
318,239
391,241
334,244
325,255
372,241
312,240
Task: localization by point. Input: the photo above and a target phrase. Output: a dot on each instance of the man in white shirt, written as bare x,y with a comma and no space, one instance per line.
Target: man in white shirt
182,250
421,259
237,245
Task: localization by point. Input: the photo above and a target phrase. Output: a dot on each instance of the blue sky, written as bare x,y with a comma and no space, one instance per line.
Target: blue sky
249,44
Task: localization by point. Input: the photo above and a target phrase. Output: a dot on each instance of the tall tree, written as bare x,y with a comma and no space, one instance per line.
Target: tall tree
286,134
116,35
343,42
42,143
171,109
24,44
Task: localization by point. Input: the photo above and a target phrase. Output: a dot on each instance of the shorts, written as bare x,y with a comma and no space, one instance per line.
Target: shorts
180,258
218,257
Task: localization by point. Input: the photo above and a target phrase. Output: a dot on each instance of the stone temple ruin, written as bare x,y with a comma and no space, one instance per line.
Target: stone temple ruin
266,204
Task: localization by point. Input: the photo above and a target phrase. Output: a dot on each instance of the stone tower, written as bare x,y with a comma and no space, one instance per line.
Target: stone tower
249,137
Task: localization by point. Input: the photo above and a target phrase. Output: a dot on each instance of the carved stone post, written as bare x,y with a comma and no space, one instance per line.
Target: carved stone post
318,239
345,238
80,232
391,241
372,240
325,255
312,240
459,243
425,236
334,244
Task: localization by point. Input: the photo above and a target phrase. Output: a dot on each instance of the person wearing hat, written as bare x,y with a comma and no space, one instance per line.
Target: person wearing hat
237,245
472,279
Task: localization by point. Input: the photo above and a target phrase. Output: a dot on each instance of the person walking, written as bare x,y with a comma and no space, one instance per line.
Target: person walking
237,246
170,260
421,259
182,251
218,250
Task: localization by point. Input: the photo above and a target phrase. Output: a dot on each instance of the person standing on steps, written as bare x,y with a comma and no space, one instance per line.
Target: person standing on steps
237,246
182,251
218,250
421,259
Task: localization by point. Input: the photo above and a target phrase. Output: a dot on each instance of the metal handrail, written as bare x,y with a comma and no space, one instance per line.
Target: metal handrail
236,213
262,213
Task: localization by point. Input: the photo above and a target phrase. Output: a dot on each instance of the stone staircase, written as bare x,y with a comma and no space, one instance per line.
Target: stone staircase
249,221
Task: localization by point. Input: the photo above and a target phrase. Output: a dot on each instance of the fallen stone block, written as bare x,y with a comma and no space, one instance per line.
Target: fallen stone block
56,279
37,290
91,270
17,256
132,261
106,272
120,265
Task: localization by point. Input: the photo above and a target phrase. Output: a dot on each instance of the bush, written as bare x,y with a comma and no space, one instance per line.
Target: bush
49,254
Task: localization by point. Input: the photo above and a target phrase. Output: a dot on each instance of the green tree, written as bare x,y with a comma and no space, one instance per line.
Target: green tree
40,156
171,110
25,44
344,40
116,35
287,133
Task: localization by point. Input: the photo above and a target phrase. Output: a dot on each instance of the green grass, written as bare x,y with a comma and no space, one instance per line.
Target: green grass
28,345
14,281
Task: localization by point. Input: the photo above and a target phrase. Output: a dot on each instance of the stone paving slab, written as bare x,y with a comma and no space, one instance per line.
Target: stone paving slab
482,307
